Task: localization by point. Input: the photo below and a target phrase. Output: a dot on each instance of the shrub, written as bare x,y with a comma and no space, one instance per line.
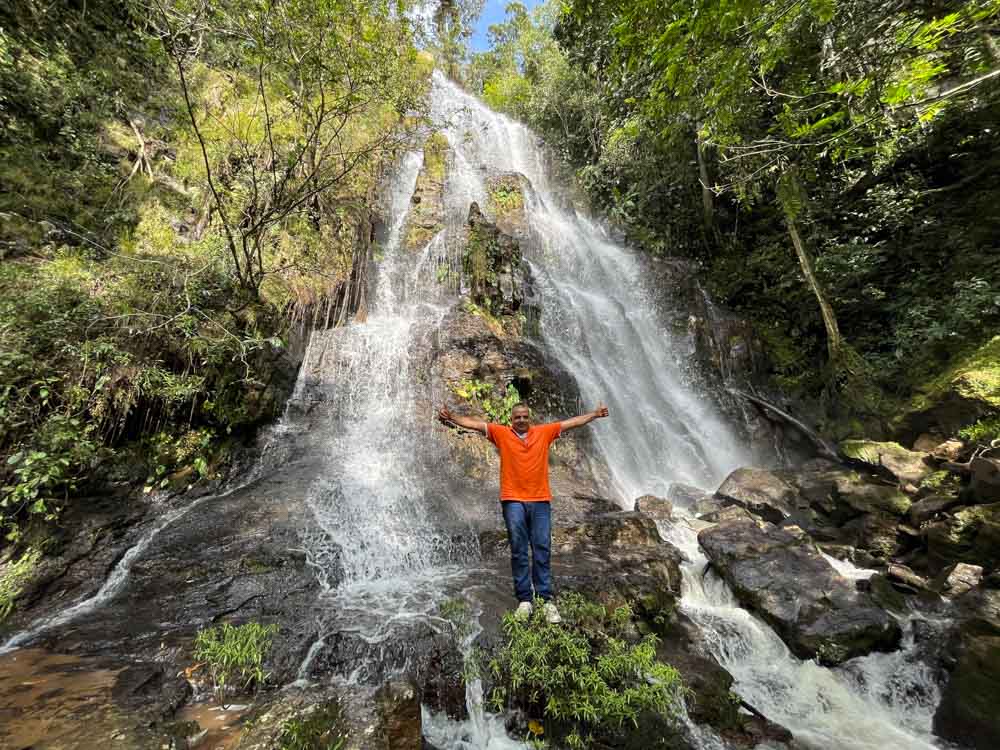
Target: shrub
234,655
983,432
585,677
482,395
13,575
322,729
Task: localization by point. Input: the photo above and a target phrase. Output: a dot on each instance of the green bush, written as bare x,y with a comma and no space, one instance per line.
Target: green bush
586,678
481,394
983,432
234,655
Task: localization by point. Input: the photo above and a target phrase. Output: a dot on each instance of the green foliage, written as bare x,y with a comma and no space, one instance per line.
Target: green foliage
658,107
584,677
321,729
234,655
13,575
141,324
481,394
983,432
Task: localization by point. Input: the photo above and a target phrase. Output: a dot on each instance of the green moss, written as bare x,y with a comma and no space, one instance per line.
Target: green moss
975,376
14,574
436,156
321,729
505,194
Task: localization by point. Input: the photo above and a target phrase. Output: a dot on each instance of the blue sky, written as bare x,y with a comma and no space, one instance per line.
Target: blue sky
492,13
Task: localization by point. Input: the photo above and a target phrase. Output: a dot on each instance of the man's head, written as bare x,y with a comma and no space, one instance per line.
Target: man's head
520,417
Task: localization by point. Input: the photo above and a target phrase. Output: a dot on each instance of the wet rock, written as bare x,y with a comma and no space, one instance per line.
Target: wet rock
441,680
655,507
151,690
967,713
985,482
866,497
761,492
493,266
399,708
876,533
957,579
426,216
730,513
970,535
930,507
909,467
315,718
611,532
692,499
506,196
783,577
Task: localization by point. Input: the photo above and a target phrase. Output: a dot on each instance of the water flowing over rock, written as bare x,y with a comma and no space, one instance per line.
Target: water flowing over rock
780,575
375,520
968,710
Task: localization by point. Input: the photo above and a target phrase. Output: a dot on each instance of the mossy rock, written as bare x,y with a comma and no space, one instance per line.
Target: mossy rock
970,535
965,392
906,465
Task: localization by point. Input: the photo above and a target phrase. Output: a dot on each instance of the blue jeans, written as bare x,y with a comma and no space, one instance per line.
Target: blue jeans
529,524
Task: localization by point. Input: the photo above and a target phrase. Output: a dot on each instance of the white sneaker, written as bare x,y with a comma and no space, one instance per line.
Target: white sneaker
551,614
523,611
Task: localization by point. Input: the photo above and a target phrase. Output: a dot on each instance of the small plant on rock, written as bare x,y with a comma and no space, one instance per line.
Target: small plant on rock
234,655
586,679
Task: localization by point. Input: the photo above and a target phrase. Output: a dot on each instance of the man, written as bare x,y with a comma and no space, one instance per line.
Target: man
525,496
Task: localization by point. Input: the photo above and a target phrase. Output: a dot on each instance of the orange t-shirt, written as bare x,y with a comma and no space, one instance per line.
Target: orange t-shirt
524,463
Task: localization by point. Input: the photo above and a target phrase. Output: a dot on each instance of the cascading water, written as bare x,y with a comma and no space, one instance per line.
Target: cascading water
598,321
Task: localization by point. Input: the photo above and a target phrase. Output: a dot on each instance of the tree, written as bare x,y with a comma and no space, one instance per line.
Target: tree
315,84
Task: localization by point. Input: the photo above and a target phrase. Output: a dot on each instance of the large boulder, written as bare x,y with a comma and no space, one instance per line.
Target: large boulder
783,577
965,392
658,508
761,492
985,481
909,467
970,535
967,713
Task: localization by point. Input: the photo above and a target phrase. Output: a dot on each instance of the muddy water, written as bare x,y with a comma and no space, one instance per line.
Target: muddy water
45,697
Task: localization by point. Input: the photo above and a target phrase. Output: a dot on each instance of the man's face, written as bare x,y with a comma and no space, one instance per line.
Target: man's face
520,419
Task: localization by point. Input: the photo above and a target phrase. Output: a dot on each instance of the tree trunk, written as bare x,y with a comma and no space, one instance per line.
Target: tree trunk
834,342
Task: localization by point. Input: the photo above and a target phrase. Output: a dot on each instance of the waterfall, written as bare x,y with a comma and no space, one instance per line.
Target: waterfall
598,320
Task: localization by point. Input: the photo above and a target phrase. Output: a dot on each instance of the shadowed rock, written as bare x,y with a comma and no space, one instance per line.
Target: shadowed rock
782,576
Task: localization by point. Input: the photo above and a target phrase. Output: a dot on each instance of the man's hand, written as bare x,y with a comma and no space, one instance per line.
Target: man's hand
448,419
583,419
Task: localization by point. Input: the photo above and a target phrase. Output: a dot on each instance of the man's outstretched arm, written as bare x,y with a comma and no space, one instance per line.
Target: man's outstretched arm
580,421
468,423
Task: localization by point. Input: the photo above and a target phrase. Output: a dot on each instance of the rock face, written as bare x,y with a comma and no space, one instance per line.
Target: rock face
426,216
761,492
985,483
655,507
968,712
970,389
499,280
969,535
781,576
